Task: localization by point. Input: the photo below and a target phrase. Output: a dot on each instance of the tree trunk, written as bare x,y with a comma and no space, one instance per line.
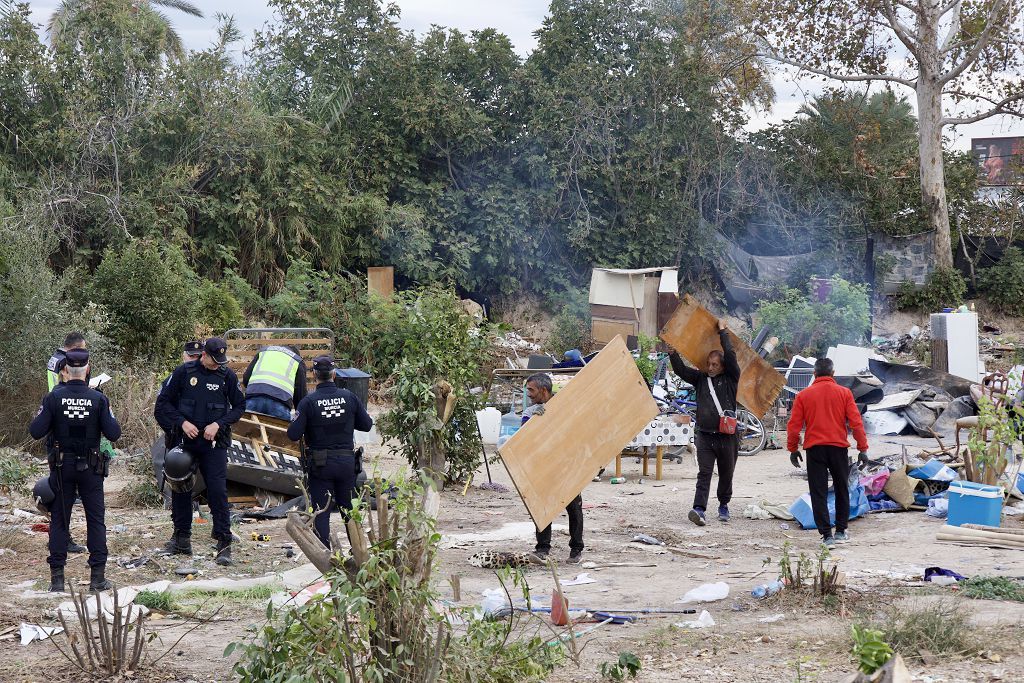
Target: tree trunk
933,176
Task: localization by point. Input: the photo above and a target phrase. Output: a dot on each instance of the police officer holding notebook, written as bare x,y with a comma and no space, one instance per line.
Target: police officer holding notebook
202,400
75,417
327,419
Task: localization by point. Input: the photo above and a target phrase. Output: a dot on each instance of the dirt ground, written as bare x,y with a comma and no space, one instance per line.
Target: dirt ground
810,642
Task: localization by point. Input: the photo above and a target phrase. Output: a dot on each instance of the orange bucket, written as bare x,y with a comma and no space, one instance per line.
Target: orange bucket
559,609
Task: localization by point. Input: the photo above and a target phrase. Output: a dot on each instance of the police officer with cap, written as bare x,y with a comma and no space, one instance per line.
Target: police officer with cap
190,350
76,416
202,400
54,366
327,419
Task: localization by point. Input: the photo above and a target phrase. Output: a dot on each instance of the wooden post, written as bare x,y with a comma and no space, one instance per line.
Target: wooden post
660,450
647,453
618,464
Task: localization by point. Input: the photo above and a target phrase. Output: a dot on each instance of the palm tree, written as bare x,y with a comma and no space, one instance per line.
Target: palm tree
61,27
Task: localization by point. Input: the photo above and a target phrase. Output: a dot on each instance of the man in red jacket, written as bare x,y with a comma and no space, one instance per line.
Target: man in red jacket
826,409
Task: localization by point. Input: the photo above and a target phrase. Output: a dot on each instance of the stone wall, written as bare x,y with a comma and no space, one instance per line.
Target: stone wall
914,258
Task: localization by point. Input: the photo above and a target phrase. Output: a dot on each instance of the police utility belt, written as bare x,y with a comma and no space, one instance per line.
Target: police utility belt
318,456
99,462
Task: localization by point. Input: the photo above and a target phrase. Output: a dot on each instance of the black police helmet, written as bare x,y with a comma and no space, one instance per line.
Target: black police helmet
179,472
43,495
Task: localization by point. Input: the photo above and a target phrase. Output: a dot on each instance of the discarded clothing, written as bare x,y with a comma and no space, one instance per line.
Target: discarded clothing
939,571
874,483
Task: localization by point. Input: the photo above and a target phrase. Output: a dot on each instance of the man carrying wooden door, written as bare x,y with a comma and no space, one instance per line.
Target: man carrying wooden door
716,416
538,388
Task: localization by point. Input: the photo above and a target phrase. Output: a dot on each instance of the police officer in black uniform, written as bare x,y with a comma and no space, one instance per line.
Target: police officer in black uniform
75,416
202,400
327,419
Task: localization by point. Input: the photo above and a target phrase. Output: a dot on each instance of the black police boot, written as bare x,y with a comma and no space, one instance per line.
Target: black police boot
224,552
74,547
56,579
180,543
97,582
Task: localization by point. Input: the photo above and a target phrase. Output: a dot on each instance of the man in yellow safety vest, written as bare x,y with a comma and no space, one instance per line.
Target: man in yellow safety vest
275,381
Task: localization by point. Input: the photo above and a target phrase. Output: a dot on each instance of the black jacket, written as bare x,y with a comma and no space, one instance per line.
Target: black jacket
327,418
168,413
51,410
725,385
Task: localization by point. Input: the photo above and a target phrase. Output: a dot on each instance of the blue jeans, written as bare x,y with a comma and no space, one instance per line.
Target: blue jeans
267,406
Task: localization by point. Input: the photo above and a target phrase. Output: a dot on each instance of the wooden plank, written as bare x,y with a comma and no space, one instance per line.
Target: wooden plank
693,332
257,342
555,455
649,313
380,281
604,331
612,312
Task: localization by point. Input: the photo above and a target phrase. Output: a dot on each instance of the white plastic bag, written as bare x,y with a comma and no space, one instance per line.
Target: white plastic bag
708,592
703,621
494,600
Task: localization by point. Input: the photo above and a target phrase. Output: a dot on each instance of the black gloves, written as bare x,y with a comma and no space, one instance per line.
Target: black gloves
796,458
862,457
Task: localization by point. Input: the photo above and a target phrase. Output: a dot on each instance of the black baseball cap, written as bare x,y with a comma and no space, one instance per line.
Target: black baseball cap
323,363
193,348
217,349
77,358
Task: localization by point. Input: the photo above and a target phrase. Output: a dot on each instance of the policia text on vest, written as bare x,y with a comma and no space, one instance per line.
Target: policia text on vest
74,417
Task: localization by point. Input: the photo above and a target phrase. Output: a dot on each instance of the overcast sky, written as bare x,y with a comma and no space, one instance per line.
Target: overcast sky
518,19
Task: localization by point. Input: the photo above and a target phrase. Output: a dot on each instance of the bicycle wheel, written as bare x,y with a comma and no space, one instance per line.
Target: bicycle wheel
751,432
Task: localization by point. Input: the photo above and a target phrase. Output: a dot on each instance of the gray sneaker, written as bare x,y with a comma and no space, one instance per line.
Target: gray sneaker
697,517
842,537
828,542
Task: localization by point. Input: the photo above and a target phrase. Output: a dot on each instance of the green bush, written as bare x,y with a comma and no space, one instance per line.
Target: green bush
216,307
149,294
870,650
439,343
571,329
944,288
1003,283
18,471
807,325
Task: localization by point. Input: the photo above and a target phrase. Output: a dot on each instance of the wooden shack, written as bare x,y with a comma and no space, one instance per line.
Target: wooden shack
631,302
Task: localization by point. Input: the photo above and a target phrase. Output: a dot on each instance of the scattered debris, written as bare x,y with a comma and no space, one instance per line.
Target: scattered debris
703,621
30,632
708,592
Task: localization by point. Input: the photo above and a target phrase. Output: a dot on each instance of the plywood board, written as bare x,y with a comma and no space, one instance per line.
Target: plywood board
381,281
603,331
693,332
553,457
615,289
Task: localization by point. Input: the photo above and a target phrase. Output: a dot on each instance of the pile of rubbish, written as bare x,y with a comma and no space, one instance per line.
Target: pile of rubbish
898,398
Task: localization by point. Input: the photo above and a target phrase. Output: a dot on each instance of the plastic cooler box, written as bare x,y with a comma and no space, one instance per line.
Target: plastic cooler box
971,503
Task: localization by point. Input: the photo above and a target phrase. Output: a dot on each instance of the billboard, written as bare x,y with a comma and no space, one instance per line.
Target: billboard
1000,161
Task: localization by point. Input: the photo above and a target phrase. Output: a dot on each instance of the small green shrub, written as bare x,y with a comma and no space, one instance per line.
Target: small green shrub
18,471
805,324
441,343
217,308
627,666
572,325
993,588
944,288
1003,283
869,649
939,627
644,363
159,601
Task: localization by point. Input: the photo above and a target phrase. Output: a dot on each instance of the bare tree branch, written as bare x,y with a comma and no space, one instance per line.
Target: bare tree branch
998,108
839,77
972,56
901,30
954,28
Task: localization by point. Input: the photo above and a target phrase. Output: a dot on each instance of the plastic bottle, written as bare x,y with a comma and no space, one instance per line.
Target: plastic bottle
767,589
618,480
